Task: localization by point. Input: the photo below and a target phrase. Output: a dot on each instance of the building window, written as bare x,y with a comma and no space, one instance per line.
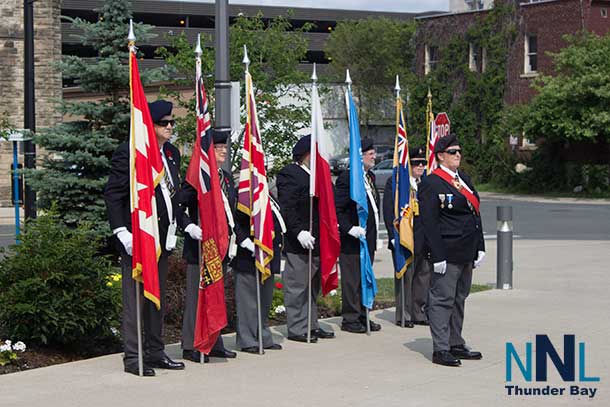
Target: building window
431,58
473,57
531,54
604,13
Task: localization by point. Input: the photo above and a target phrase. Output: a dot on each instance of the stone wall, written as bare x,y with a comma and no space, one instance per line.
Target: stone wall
47,52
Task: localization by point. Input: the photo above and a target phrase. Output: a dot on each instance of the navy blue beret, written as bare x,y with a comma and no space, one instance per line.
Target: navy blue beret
220,136
445,142
367,144
417,152
302,146
160,108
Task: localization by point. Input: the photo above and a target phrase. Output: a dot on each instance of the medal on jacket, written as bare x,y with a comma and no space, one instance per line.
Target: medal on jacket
450,201
441,197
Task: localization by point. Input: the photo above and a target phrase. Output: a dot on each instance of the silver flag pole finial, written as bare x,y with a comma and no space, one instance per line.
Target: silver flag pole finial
348,79
131,37
246,60
314,77
198,50
397,87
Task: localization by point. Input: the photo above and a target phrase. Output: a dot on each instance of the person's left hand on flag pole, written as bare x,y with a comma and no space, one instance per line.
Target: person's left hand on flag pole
306,239
479,259
248,244
194,231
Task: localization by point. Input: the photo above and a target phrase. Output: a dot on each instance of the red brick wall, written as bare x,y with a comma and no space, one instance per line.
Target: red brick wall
594,21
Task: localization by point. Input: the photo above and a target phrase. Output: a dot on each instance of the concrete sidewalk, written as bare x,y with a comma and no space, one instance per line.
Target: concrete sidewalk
562,287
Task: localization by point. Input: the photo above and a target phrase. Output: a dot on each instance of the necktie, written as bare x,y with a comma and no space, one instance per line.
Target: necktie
167,179
456,183
369,180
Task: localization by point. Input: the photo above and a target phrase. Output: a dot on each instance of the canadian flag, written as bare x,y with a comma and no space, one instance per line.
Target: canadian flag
320,186
146,170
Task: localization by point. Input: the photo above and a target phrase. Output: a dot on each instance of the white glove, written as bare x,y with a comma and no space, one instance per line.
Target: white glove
440,267
194,231
248,244
479,259
306,239
392,242
126,239
357,232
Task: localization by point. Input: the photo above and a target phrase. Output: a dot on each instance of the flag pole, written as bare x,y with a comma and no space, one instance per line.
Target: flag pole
131,38
314,79
246,61
428,129
198,53
401,279
348,80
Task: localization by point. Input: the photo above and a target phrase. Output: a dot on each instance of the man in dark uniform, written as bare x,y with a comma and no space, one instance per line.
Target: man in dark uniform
416,281
293,193
190,253
352,311
117,197
454,233
246,278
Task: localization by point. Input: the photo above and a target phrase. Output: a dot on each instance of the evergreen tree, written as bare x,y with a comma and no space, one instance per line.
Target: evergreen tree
74,171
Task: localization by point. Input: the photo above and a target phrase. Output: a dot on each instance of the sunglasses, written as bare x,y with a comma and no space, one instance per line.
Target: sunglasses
453,151
164,123
416,163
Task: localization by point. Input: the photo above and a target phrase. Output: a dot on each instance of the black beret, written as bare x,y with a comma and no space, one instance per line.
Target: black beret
160,108
367,144
301,147
417,152
445,142
220,136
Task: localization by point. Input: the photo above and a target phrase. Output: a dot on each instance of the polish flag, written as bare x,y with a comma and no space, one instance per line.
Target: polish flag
320,186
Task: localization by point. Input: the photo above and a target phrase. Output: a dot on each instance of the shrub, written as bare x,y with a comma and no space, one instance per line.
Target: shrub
54,286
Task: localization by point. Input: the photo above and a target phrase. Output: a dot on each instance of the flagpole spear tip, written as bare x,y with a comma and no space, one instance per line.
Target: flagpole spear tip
429,94
314,77
397,87
131,37
348,79
198,50
246,60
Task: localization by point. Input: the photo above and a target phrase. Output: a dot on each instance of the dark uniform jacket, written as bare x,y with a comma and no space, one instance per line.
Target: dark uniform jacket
347,216
116,193
293,195
388,218
188,200
452,234
244,261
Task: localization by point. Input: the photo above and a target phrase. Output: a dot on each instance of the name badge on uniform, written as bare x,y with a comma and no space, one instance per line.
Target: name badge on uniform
441,197
170,241
450,201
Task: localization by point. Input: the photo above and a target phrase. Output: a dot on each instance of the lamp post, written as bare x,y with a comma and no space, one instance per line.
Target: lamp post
29,116
223,81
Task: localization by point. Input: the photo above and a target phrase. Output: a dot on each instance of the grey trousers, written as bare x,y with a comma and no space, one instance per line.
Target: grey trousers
190,309
446,301
152,319
351,291
247,310
295,278
416,283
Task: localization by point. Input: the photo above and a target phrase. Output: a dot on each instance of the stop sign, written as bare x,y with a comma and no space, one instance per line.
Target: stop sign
442,124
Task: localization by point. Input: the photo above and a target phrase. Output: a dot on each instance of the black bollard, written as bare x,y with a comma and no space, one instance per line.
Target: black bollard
505,248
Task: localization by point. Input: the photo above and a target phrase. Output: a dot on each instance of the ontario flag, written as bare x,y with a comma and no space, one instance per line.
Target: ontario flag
202,174
146,170
404,197
431,137
253,193
320,186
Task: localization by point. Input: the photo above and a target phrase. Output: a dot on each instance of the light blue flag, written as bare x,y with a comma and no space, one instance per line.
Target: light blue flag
358,194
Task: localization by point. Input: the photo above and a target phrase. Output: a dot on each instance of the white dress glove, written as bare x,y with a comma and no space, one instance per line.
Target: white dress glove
357,232
194,231
440,267
479,259
306,239
248,244
126,238
392,242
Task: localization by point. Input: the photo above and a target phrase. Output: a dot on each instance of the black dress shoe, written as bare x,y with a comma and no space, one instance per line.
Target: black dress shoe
408,324
462,352
224,353
445,358
275,346
426,323
147,371
302,338
322,334
353,327
194,356
374,326
251,349
166,363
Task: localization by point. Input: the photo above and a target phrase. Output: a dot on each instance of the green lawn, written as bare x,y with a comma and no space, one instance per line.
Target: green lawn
385,289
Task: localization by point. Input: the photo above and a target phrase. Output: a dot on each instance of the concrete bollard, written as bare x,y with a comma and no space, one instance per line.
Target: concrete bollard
504,280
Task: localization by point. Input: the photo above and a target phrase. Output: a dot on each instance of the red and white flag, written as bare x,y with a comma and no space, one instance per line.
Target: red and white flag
146,170
253,190
320,186
431,139
202,174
